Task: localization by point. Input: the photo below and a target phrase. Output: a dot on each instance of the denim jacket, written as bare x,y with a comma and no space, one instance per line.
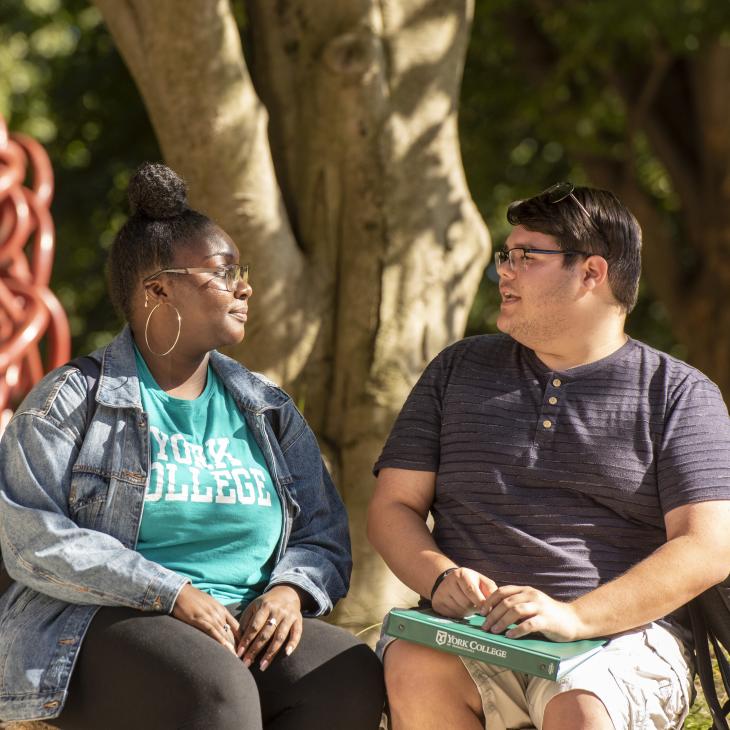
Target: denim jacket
71,504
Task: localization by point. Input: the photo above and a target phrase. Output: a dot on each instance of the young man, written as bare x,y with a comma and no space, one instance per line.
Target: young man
579,483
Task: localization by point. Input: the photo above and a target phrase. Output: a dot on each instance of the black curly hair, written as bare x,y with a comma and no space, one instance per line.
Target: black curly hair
159,222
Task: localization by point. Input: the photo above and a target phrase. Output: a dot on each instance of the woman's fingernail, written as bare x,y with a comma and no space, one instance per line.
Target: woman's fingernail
247,661
263,665
288,650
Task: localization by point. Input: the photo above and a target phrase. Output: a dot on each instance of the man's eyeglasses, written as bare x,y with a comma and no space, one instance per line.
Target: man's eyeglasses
234,274
520,255
559,192
554,194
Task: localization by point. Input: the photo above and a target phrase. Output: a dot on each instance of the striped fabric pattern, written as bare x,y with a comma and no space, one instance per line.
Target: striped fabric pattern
559,480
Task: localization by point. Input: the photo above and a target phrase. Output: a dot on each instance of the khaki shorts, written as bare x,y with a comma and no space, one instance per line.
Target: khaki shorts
643,678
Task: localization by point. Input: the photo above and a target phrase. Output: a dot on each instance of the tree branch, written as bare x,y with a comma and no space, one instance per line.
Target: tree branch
122,19
638,111
710,74
675,142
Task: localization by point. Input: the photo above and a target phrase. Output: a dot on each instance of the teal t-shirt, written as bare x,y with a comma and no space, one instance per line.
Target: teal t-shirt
211,511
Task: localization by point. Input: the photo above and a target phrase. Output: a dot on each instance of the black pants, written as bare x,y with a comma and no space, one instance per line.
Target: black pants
139,671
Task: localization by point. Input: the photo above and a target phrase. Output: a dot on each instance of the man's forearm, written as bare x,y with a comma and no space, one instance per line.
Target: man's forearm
672,575
403,539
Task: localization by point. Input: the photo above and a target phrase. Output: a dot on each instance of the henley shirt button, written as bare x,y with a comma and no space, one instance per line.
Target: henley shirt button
547,424
557,382
552,400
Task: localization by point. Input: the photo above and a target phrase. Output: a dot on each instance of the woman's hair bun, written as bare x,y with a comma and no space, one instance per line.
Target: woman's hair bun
156,192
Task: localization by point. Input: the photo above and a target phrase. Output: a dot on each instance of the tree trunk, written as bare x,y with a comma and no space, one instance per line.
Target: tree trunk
351,205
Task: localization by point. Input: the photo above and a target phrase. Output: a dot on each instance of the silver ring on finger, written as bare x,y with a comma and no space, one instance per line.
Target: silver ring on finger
226,627
272,622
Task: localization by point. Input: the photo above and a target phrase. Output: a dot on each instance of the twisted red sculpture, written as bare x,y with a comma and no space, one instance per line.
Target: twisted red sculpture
29,312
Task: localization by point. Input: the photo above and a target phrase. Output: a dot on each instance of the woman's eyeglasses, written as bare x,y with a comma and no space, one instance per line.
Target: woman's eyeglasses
234,274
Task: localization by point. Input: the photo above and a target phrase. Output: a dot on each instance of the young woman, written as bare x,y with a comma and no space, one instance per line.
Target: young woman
166,540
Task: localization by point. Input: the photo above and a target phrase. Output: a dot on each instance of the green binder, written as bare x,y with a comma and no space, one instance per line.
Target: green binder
548,659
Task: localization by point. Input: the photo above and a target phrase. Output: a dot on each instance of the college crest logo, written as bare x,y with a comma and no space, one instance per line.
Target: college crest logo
441,637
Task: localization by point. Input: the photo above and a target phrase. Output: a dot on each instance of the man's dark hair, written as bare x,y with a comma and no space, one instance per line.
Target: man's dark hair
160,221
609,230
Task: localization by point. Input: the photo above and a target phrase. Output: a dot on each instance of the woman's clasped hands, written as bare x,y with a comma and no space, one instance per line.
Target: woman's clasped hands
269,622
204,613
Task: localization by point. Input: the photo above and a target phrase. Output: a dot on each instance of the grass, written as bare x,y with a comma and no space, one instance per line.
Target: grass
699,717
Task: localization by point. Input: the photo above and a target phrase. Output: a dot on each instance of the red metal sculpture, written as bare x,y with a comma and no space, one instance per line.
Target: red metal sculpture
29,312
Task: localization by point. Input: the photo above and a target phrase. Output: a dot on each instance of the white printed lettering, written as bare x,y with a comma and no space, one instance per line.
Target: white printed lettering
197,496
172,495
473,644
198,456
218,449
239,485
161,439
221,496
157,474
249,497
264,496
184,458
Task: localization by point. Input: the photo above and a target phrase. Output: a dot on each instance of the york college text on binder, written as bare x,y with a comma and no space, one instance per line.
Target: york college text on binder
548,659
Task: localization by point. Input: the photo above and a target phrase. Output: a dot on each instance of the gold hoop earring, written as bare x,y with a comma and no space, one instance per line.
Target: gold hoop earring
147,325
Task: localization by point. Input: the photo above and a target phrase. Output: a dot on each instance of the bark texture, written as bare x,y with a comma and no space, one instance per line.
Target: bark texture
331,155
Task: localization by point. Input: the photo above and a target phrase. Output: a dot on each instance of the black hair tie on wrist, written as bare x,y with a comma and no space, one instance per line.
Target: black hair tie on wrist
439,580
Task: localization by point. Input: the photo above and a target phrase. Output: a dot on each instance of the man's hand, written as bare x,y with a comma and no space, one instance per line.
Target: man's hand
532,611
202,611
461,593
273,618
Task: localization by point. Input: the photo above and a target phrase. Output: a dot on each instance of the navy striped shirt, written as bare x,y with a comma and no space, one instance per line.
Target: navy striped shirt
559,480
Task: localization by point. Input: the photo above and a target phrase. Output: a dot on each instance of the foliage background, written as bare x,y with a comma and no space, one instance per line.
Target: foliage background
62,81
